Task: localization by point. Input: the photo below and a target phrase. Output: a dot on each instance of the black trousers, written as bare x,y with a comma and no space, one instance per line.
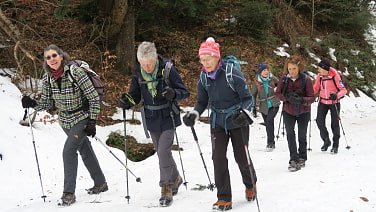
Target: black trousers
322,111
300,151
239,139
269,123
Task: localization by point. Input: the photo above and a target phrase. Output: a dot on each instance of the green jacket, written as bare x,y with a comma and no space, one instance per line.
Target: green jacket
69,99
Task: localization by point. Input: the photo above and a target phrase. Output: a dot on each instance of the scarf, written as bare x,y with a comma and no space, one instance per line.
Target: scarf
57,73
265,81
151,79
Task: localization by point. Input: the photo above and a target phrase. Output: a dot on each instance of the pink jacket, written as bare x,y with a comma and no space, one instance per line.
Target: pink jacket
327,84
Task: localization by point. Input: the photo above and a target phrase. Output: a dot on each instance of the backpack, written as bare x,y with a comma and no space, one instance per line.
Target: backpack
162,74
258,84
166,75
335,84
94,78
231,63
284,82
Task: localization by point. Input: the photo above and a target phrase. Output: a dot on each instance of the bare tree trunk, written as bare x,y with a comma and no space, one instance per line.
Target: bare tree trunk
118,14
313,17
126,44
121,32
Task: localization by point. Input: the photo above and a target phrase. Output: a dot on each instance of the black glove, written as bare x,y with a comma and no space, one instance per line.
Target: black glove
125,102
333,96
90,128
169,93
28,102
294,97
241,118
254,112
296,100
190,118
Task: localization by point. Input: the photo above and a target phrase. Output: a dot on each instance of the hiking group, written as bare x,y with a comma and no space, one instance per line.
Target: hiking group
222,88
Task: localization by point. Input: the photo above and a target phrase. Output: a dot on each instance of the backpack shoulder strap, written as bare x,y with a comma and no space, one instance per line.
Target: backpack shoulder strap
203,80
257,84
304,79
166,74
74,65
284,84
229,77
335,83
70,76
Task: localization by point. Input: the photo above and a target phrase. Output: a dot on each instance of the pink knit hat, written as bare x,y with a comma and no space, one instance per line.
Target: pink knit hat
210,47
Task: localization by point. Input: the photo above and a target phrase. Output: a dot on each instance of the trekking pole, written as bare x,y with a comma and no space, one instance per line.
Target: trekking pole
36,157
309,139
279,126
177,143
126,154
211,185
250,164
343,131
137,178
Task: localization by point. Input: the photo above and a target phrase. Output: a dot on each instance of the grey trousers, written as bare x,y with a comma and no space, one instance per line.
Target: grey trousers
167,167
78,141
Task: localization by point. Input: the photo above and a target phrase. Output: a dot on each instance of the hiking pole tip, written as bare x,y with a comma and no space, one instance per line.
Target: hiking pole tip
128,198
185,184
138,179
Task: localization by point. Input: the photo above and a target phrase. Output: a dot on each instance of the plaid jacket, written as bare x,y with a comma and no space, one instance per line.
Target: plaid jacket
69,99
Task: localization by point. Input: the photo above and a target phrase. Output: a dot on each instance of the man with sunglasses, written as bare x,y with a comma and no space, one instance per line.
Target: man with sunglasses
78,110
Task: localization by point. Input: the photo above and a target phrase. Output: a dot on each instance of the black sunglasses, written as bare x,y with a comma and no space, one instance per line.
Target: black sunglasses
52,56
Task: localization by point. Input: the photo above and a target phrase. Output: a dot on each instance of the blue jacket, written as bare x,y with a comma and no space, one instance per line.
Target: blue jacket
158,120
222,97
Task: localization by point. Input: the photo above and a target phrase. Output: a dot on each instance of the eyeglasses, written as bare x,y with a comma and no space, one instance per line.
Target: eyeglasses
207,60
52,56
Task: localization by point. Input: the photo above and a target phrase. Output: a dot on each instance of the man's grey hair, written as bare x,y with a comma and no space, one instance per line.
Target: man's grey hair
66,57
146,51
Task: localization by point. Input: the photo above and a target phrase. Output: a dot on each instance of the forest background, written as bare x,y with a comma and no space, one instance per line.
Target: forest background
105,33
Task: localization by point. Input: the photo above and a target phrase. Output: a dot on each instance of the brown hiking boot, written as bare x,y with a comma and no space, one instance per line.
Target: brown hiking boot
251,193
98,189
166,196
67,199
293,166
177,183
222,205
302,162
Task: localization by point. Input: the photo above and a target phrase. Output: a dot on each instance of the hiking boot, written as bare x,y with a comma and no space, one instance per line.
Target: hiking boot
334,150
67,199
326,145
270,147
98,189
166,196
302,162
222,205
176,185
251,193
294,166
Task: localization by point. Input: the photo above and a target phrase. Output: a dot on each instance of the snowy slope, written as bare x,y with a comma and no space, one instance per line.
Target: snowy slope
327,183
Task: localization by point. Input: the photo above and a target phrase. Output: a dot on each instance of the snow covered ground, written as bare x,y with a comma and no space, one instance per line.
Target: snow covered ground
342,182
